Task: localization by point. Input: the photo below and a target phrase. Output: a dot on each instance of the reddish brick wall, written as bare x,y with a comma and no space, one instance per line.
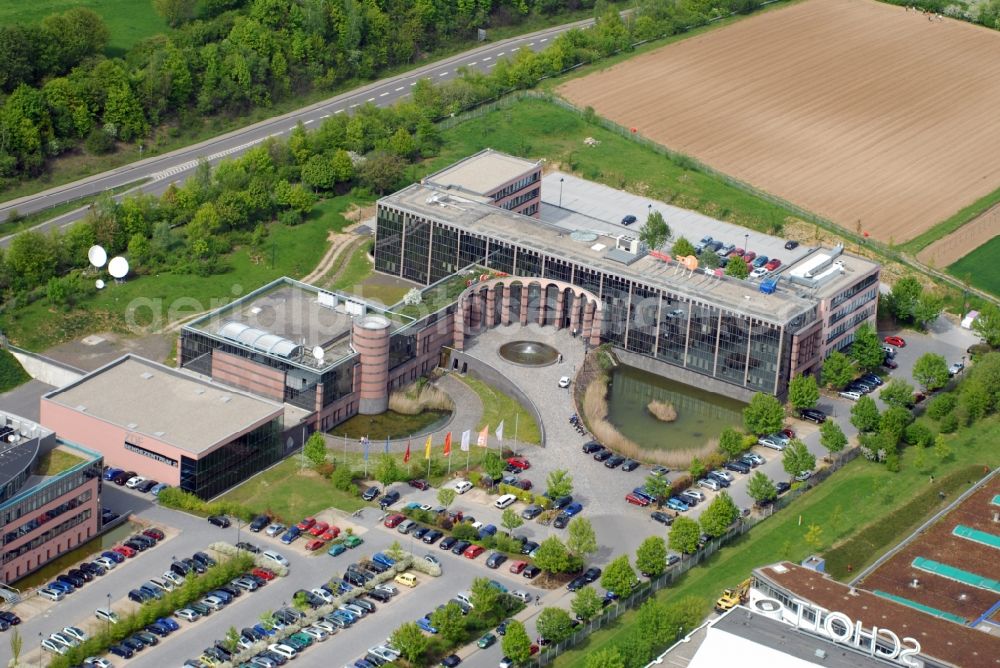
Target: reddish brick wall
248,375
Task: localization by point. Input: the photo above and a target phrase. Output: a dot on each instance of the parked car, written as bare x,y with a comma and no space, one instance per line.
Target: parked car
813,415
371,493
628,220
496,560
530,572
630,465
674,503
291,535
473,551
274,557
390,497
603,455
710,483
782,487
853,396
220,521
897,341
637,500
662,518
738,466
956,368
590,447
614,461
519,463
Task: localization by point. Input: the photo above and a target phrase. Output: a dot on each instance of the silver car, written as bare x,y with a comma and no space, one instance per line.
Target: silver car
275,529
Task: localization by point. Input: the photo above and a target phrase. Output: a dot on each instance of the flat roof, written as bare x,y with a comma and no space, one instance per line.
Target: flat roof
483,172
289,320
759,640
172,406
953,643
554,238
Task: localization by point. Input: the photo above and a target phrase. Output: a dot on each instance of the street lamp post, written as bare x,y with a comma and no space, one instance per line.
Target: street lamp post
746,242
108,620
40,650
561,179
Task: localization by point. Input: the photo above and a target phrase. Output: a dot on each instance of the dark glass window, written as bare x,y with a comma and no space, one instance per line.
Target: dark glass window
444,252
501,257
416,247
234,462
471,250
388,241
642,320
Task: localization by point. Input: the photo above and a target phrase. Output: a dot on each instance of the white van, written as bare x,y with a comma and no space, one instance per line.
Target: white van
504,501
465,597
462,486
284,650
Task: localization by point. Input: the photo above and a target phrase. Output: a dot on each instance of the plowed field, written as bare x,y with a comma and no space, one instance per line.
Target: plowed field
852,109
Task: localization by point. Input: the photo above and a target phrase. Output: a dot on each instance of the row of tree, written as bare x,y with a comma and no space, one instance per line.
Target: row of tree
240,55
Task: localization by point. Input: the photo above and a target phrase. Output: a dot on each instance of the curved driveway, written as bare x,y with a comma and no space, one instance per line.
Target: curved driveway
175,166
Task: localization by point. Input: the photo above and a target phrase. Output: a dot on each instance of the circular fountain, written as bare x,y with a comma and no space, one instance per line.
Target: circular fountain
529,353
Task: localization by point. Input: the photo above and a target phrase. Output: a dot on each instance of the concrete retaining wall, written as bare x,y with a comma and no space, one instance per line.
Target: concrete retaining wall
45,369
683,375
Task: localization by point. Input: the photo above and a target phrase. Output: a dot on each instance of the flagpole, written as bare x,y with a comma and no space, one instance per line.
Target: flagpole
345,448
366,456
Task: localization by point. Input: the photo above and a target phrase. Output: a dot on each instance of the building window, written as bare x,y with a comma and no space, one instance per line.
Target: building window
234,462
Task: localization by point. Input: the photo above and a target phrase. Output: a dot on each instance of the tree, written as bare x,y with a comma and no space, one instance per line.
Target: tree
864,414
301,601
581,541
651,556
897,392
942,449
381,172
902,299
511,520
176,12
559,483
343,478
931,371
719,515
929,308
684,535
987,325
763,415
867,350
554,624
814,536
731,442
655,232
515,643
709,260
387,471
837,371
318,173
608,657
395,551
760,488
894,421
803,392
315,449
832,437
232,639
411,641
343,167
658,487
450,622
552,556
17,643
493,464
737,268
697,468
796,458
484,597
682,248
586,603
446,496
619,577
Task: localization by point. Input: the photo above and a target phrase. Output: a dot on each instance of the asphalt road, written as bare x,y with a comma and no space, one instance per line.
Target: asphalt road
175,166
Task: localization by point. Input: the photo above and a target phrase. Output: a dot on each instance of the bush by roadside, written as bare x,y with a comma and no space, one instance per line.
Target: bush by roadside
175,498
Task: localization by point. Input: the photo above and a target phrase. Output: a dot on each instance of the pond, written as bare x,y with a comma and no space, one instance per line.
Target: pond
391,424
701,415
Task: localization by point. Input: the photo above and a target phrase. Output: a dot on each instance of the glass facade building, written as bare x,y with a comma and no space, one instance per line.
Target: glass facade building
215,472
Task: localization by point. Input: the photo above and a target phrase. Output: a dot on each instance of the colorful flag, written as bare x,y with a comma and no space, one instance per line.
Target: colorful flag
406,455
466,435
481,441
499,431
427,448
447,444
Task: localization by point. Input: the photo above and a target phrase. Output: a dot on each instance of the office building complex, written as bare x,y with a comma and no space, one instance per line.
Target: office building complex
44,512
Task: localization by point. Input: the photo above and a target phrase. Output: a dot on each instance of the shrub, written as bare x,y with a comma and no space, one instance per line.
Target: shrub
941,405
178,499
949,423
99,142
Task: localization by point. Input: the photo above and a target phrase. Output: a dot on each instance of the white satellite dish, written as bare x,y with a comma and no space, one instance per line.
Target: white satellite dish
118,267
99,284
97,256
319,353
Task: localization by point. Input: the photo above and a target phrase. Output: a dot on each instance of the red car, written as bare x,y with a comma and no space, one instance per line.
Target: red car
736,252
789,432
524,484
517,567
636,500
455,516
393,521
263,573
473,551
319,528
306,524
314,544
124,550
533,650
773,264
331,533
749,256
895,341
519,462
420,484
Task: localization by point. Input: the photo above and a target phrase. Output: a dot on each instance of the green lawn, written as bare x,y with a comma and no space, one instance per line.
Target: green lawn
858,495
289,493
539,129
357,268
12,373
388,425
57,461
128,21
498,406
981,267
149,302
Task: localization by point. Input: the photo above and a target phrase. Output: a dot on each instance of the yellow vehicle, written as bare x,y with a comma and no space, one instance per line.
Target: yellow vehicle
407,579
733,597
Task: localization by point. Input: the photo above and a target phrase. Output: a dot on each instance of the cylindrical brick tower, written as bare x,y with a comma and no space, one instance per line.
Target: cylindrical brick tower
371,340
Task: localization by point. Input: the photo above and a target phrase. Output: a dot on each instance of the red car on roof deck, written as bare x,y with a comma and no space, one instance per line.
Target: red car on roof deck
895,341
318,528
749,256
473,551
306,524
331,533
773,264
393,520
519,462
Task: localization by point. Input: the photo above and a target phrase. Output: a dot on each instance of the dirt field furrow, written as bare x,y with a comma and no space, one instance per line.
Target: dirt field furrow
853,109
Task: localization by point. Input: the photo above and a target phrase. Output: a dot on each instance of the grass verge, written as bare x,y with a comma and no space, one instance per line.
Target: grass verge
981,267
389,425
290,492
12,373
54,462
854,497
498,406
949,225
